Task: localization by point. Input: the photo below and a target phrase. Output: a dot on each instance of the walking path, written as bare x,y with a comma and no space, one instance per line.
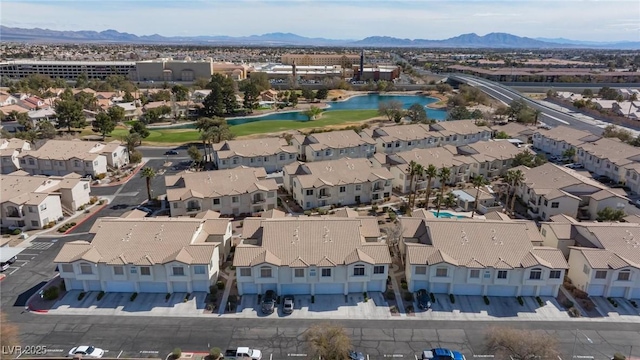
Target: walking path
230,277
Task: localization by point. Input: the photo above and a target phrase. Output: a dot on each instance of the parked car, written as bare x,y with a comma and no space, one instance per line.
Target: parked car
355,355
575,166
442,354
171,152
87,352
423,299
287,304
269,302
5,265
243,352
637,203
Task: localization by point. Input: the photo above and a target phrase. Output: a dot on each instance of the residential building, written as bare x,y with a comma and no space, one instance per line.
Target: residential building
7,99
69,70
270,153
561,138
9,151
344,60
61,157
609,157
491,159
148,255
479,257
461,132
337,182
31,202
131,111
236,191
333,145
550,190
311,256
516,131
487,202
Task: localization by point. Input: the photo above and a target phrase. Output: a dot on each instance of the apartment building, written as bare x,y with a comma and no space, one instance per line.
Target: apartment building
311,256
609,157
461,132
9,151
491,159
561,138
333,145
344,60
236,191
148,255
31,202
550,190
337,182
516,131
270,153
62,157
446,256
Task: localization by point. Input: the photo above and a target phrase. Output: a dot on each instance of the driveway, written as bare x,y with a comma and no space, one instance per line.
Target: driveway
625,308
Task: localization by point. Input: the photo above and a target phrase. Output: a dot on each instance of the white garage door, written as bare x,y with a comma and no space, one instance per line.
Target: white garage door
502,290
617,291
94,285
325,289
249,288
467,289
201,285
547,290
439,288
378,285
153,287
180,287
356,287
120,286
420,284
528,290
595,290
73,284
296,289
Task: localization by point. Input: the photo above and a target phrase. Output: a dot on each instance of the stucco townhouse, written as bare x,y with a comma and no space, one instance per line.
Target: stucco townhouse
479,257
604,258
461,132
608,157
148,255
549,190
333,145
491,159
270,153
337,182
9,151
561,138
516,131
236,191
61,157
311,256
31,202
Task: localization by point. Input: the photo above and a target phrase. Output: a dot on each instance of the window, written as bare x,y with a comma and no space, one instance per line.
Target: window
43,207
555,205
86,269
234,199
378,269
326,272
421,270
502,274
535,274
282,156
86,186
34,223
358,187
67,268
358,270
624,275
585,269
343,189
245,272
299,273
199,270
554,274
252,160
216,201
145,271
309,192
544,232
265,159
441,272
474,274
175,205
178,271
487,274
265,272
31,162
134,270
271,194
118,270
95,163
601,274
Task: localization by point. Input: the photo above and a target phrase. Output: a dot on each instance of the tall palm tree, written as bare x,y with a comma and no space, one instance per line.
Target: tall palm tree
204,137
449,201
536,115
632,98
438,202
430,172
516,178
414,170
444,174
148,173
478,181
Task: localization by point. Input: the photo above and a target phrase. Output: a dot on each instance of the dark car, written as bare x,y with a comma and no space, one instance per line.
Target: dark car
422,297
171,152
287,304
269,302
355,355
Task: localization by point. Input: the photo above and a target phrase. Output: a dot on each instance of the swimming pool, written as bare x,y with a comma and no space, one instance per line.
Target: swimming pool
448,215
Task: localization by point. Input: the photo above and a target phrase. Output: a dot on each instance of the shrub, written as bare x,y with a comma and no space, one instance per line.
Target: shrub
408,296
579,294
404,286
410,309
100,295
81,295
573,312
390,295
220,285
313,299
102,201
619,356
539,300
393,309
176,353
452,298
432,297
16,232
567,304
133,296
486,299
366,296
51,293
215,353
520,300
374,208
166,297
634,304
307,212
213,289
187,296
93,200
101,176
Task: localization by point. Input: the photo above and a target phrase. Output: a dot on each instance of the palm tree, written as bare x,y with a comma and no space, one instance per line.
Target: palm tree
430,172
148,173
536,114
444,174
414,170
450,200
632,98
438,202
204,136
478,181
516,178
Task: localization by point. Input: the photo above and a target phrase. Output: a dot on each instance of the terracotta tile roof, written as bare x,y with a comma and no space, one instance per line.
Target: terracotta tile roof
304,241
616,151
337,172
550,179
253,147
13,107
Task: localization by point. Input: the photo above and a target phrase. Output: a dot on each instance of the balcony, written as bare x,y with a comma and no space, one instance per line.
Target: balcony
193,208
15,213
324,195
258,200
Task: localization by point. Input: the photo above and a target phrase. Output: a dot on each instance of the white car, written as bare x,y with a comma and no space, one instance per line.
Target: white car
87,352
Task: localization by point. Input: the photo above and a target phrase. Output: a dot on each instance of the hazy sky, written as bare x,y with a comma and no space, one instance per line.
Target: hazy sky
604,20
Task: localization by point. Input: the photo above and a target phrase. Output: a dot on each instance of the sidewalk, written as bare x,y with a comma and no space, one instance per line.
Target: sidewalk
123,181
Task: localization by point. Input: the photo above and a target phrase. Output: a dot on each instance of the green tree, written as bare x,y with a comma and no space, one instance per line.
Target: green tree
260,80
515,178
194,154
103,124
180,92
478,182
127,97
389,108
444,174
610,214
308,94
459,113
327,342
443,88
251,97
116,113
131,140
587,93
449,201
430,172
213,104
569,153
322,93
82,81
162,95
417,113
293,99
312,113
140,129
148,173
46,130
414,170
502,135
135,157
69,114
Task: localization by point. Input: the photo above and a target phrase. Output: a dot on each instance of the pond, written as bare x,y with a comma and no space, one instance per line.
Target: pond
362,102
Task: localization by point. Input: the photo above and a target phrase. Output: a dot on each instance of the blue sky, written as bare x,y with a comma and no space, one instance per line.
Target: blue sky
604,20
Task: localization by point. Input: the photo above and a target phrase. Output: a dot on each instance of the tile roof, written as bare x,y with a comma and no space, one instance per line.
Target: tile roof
145,241
568,134
252,147
71,149
305,241
550,177
211,184
490,150
439,157
402,132
33,189
336,172
612,149
335,140
462,127
496,215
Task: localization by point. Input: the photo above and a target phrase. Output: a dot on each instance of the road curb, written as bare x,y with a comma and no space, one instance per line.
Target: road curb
123,181
30,307
85,219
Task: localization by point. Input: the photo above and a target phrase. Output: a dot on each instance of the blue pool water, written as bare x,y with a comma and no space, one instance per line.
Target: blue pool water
364,102
447,215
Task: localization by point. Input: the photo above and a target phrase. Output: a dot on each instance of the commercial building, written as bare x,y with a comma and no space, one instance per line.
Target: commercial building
187,70
343,60
69,70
